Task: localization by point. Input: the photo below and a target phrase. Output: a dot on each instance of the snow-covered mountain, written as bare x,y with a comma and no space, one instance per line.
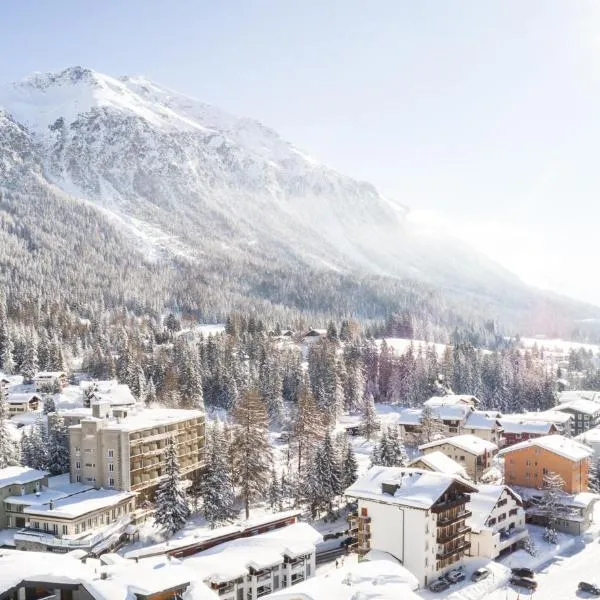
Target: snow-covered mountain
189,180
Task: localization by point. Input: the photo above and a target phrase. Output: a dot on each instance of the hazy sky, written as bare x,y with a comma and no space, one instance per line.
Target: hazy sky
483,116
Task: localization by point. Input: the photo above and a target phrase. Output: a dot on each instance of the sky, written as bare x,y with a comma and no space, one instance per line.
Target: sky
482,117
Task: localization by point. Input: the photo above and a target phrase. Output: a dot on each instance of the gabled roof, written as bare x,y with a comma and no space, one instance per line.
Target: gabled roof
21,398
571,395
586,407
416,488
592,436
557,444
409,416
19,475
438,461
525,426
468,443
483,501
452,399
483,419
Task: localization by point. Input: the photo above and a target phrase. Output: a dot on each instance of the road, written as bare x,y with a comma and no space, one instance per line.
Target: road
558,579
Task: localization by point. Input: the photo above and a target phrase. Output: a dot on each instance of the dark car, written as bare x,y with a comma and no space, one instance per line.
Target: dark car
480,574
439,585
590,588
523,572
526,582
455,575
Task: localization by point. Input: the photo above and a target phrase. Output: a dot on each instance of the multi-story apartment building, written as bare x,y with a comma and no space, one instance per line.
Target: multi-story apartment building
497,521
586,414
128,453
469,451
527,463
417,516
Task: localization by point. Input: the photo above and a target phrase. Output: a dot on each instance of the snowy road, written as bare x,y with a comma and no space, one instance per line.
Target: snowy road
558,579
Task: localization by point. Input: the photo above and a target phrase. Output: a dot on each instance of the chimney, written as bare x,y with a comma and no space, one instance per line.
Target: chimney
51,504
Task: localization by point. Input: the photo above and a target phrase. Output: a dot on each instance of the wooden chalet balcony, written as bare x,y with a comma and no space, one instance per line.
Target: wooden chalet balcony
453,518
444,537
453,549
450,503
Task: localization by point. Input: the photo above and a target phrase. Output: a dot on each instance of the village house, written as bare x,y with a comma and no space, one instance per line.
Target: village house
519,431
591,438
417,516
56,521
469,451
527,463
50,381
110,391
17,481
20,403
571,395
485,424
110,450
313,335
250,568
586,414
439,462
497,521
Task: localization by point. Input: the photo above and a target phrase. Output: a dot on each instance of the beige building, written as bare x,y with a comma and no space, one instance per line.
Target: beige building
16,481
20,403
469,451
127,453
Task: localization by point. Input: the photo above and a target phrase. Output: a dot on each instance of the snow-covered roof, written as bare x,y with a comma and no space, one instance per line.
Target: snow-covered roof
592,436
438,461
117,394
584,499
409,416
570,395
50,374
417,488
21,398
41,497
456,399
549,416
79,411
19,475
149,417
11,380
558,444
77,505
527,426
586,407
377,579
467,442
483,419
452,412
233,559
483,502
121,580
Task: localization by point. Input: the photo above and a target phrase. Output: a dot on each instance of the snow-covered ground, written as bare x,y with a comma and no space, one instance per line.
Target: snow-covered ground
558,345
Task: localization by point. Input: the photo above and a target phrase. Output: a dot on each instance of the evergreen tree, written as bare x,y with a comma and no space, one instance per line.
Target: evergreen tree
9,451
39,446
324,481
26,450
431,426
369,423
349,467
551,504
217,485
308,427
171,508
58,451
49,404
251,450
30,366
8,364
275,494
594,476
390,451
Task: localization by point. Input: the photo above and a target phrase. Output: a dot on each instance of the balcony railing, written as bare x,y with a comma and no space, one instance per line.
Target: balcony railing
450,519
442,537
446,552
449,504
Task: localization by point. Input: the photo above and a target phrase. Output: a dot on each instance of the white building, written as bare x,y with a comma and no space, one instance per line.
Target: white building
250,568
591,438
20,403
16,481
438,461
497,521
571,395
48,381
417,516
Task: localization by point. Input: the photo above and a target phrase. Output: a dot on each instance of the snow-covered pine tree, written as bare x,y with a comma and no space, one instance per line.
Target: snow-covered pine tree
369,417
58,450
551,503
49,404
324,478
275,495
251,451
38,440
396,451
431,426
8,363
308,427
594,476
9,450
30,366
379,450
349,467
171,508
26,454
270,382
216,487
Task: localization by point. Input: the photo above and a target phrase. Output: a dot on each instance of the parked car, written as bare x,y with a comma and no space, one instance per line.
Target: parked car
480,574
523,572
526,582
590,588
439,585
455,575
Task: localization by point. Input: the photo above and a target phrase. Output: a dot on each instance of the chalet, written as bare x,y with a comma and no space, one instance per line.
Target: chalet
440,463
473,453
48,381
571,395
591,438
20,403
519,431
527,463
417,516
313,335
497,521
561,420
18,481
586,414
485,424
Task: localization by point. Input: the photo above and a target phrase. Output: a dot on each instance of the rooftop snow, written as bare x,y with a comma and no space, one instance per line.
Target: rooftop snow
483,502
441,463
19,475
571,395
467,442
591,436
233,559
558,444
409,416
20,398
586,407
452,399
482,419
117,394
549,416
418,488
41,497
80,504
534,427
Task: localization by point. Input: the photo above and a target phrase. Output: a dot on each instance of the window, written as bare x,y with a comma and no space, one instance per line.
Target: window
528,463
78,478
545,471
111,467
276,581
462,458
527,475
111,482
111,453
308,569
426,562
78,465
65,530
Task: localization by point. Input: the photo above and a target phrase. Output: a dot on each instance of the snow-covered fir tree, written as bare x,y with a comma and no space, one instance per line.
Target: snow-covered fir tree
58,446
324,478
431,426
308,428
49,404
216,487
369,423
251,451
349,467
9,450
171,508
551,503
275,496
38,445
8,363
30,366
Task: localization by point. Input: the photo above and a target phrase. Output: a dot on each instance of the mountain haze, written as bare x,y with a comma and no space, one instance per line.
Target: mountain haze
203,198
